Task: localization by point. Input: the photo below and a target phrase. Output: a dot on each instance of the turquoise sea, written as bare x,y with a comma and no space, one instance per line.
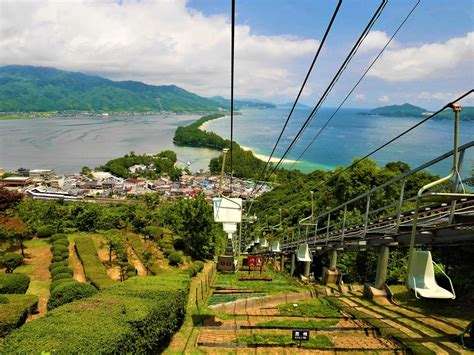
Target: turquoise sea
348,135
67,144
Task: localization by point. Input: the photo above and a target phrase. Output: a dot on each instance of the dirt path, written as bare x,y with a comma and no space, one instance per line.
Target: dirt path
112,271
36,267
133,259
79,274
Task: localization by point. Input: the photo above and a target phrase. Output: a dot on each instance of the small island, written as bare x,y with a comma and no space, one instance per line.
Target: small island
409,110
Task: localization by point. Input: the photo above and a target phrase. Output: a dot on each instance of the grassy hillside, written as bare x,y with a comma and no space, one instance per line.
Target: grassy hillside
38,89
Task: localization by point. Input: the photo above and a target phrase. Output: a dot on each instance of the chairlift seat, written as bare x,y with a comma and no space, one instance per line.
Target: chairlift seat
304,254
421,278
264,244
227,210
276,247
229,227
257,240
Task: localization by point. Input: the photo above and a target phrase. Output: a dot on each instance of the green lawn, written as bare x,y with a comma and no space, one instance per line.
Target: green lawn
317,307
280,282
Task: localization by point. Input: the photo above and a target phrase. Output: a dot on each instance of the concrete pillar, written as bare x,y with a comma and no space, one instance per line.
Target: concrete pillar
282,263
293,261
307,268
333,260
382,264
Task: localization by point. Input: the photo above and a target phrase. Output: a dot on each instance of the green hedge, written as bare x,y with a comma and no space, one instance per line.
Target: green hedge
61,270
59,248
55,265
56,283
57,236
69,291
139,315
14,283
63,242
14,313
11,261
195,268
93,268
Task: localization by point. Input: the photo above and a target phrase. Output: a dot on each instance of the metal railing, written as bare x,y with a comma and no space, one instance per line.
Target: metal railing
336,225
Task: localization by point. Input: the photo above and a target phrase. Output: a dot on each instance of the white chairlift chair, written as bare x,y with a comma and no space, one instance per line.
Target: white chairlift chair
421,278
264,244
276,247
304,254
227,210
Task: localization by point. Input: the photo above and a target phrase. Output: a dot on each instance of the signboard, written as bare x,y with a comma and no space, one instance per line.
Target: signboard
300,334
255,261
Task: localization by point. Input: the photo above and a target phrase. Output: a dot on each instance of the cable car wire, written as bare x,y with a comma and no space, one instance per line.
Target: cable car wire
328,89
357,84
323,40
232,93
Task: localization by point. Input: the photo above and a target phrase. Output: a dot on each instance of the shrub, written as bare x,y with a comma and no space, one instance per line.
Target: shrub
136,316
93,268
56,283
61,270
14,312
3,299
199,265
59,248
57,253
191,270
14,283
175,258
69,291
64,242
61,276
44,232
11,261
167,251
57,236
54,265
57,258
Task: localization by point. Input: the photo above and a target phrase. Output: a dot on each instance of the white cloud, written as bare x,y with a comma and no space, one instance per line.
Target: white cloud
360,97
375,40
159,42
436,60
384,99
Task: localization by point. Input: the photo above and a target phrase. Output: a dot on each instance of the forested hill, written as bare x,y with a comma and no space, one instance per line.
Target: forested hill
408,110
405,110
39,89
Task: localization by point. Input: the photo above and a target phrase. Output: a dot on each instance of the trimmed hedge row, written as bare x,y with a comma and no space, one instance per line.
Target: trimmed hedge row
14,283
69,291
195,268
59,269
139,315
14,312
94,269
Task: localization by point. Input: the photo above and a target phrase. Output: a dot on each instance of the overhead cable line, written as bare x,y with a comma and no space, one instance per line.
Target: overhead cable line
327,91
357,84
323,40
357,162
232,94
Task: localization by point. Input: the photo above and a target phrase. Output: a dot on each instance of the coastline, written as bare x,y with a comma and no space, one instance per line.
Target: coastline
205,124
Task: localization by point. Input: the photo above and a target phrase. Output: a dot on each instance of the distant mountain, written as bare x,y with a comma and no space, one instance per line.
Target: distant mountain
240,104
39,89
290,105
405,110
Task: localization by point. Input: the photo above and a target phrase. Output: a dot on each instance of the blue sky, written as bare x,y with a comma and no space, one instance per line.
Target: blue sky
187,43
434,21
